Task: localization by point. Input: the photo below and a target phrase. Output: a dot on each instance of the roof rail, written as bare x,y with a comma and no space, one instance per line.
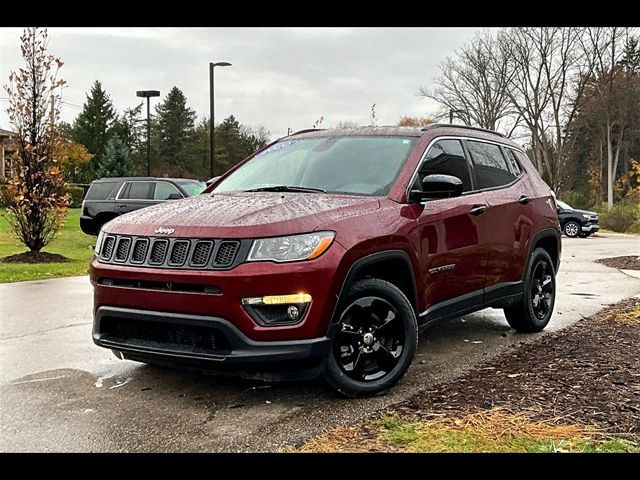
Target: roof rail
307,130
451,125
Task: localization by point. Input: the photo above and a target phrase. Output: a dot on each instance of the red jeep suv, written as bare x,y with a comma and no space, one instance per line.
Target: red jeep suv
327,251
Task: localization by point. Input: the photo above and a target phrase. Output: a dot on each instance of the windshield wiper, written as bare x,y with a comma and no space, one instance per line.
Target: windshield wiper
286,188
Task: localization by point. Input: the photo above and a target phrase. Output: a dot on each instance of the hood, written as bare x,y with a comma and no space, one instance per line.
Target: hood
242,214
586,212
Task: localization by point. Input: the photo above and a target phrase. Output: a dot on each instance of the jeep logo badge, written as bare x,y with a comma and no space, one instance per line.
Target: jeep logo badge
165,231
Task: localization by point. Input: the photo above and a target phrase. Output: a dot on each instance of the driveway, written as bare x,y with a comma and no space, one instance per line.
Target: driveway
59,392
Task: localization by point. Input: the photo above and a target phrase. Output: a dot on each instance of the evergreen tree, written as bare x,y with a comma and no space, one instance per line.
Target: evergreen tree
132,131
631,56
93,127
174,129
115,161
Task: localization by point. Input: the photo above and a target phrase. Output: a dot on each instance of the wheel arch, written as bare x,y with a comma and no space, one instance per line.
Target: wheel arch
549,240
393,266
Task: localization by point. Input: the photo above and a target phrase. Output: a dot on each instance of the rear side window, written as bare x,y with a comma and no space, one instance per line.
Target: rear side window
100,191
513,163
490,165
445,157
164,190
137,191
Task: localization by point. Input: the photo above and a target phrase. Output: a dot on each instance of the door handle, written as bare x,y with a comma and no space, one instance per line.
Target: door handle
478,210
524,200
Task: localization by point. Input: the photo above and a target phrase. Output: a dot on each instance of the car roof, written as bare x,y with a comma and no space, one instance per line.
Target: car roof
439,129
120,179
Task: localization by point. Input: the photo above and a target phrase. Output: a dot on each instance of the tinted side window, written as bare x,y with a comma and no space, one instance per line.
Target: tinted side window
513,163
100,191
490,165
137,191
164,190
445,157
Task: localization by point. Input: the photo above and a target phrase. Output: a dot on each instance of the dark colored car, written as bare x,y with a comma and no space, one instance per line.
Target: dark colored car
327,251
577,223
109,198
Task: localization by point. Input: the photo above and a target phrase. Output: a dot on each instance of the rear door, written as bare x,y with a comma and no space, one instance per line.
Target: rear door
452,246
499,175
134,195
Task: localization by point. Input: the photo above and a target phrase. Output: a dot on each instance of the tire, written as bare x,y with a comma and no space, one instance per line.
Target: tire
379,316
533,312
572,229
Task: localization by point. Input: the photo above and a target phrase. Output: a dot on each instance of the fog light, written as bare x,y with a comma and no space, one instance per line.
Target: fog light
292,312
275,310
277,299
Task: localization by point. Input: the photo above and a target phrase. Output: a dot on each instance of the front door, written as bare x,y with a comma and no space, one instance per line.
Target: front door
452,235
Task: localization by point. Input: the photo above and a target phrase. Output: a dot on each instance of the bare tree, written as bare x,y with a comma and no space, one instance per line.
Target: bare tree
37,208
612,103
546,75
473,84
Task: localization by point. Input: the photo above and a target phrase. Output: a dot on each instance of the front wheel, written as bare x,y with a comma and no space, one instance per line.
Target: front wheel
572,229
375,340
533,312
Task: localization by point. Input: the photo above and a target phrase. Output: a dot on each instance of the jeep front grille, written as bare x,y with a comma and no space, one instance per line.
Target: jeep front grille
184,253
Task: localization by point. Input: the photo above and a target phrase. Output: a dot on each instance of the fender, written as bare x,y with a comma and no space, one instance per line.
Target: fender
372,259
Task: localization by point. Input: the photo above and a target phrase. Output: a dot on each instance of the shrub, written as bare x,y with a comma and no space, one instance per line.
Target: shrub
576,199
621,217
77,196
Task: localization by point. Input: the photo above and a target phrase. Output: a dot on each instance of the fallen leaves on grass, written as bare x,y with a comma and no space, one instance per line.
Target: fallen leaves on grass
495,430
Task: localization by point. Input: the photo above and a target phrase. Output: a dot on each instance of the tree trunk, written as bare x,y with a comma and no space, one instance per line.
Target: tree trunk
609,169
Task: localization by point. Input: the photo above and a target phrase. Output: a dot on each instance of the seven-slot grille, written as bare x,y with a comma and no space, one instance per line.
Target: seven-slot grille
171,252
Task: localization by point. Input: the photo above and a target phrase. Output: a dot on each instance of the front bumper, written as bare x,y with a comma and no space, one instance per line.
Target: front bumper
200,341
592,228
219,294
88,225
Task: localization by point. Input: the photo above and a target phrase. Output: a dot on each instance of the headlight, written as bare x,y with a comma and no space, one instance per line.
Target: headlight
586,216
291,248
99,242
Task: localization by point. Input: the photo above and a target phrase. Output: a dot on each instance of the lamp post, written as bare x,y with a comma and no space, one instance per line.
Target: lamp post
212,141
451,112
148,94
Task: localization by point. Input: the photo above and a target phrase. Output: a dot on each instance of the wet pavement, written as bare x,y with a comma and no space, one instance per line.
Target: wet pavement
59,392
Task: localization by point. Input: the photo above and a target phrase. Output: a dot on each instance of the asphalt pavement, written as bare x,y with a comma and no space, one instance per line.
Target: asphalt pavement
59,392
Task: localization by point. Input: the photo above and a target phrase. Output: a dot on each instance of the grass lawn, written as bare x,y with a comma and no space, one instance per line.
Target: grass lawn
70,242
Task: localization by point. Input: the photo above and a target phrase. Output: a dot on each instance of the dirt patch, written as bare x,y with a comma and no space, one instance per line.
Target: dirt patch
35,257
587,376
629,262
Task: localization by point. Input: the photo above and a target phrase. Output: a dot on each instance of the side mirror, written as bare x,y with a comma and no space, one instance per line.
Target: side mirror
438,186
213,180
174,196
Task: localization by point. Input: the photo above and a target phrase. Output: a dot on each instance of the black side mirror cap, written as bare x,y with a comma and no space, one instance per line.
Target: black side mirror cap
438,186
174,196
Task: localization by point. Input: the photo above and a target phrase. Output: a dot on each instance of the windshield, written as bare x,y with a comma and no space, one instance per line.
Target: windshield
192,188
564,206
357,165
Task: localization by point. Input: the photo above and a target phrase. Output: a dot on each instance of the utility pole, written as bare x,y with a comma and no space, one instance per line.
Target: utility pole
148,94
212,139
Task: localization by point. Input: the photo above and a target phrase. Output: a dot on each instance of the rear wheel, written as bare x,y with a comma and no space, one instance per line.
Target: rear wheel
375,341
533,312
572,229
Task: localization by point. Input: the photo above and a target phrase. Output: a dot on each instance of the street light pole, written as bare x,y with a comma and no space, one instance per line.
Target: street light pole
452,111
148,94
212,140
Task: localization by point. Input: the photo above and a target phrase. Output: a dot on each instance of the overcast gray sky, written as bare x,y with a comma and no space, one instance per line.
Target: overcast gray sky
281,77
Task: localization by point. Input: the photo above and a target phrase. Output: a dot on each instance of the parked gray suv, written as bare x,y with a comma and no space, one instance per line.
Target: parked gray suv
109,198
